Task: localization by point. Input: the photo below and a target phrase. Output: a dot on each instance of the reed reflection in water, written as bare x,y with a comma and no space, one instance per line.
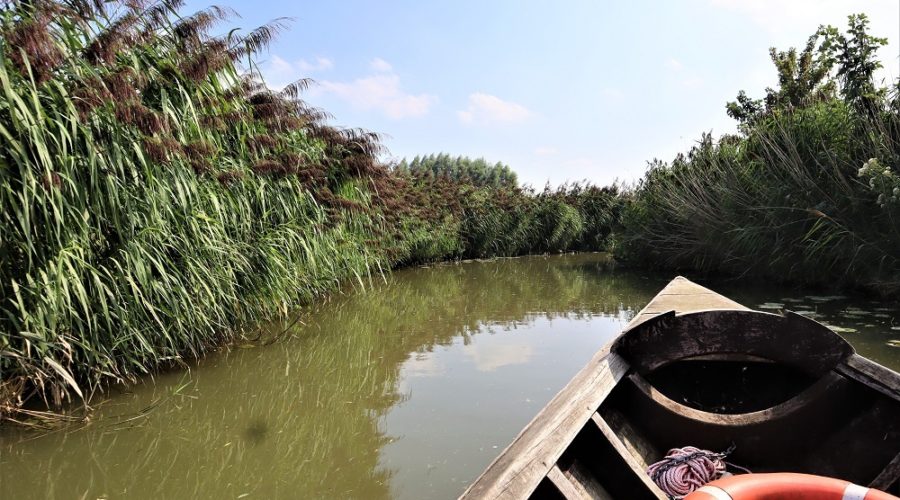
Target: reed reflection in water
402,389
406,389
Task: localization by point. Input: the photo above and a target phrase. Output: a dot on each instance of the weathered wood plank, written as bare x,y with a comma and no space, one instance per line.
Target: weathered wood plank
565,486
682,295
632,463
639,447
871,374
823,390
525,462
582,478
888,476
792,339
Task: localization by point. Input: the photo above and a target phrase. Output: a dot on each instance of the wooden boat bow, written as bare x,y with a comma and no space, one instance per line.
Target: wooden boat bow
809,404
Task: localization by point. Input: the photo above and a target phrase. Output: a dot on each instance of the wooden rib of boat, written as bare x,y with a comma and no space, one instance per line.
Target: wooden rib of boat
696,368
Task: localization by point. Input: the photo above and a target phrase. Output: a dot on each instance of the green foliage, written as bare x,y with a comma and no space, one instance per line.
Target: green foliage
854,54
806,193
503,221
806,77
152,198
477,172
802,79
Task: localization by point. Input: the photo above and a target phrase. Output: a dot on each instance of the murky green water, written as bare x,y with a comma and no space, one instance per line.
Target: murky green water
406,390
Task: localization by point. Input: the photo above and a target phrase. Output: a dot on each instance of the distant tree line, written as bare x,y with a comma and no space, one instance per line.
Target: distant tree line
478,171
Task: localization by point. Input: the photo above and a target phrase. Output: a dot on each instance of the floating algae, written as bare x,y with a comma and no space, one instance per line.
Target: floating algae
841,329
825,298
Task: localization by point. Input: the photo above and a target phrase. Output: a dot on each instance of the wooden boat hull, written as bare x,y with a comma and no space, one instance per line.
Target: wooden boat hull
695,368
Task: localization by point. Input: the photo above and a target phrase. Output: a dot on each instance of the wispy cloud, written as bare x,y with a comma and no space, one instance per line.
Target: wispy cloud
486,108
380,65
319,64
280,72
545,151
381,92
673,64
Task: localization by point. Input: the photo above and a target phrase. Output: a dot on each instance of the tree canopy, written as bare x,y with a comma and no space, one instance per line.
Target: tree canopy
477,171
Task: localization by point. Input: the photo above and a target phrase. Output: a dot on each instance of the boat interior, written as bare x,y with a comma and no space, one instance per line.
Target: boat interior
787,393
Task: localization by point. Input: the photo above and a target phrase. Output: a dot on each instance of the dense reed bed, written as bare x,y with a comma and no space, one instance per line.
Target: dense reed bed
152,198
155,196
807,192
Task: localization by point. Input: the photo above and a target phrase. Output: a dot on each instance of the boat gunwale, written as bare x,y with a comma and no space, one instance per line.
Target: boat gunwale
497,480
514,473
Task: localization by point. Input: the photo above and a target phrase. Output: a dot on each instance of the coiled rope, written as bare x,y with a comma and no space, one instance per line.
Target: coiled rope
685,470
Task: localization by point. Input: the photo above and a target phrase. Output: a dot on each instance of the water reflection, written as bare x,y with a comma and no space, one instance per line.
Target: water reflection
408,389
309,416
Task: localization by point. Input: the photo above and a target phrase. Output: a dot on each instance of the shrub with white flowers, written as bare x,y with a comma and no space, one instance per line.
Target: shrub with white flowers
882,180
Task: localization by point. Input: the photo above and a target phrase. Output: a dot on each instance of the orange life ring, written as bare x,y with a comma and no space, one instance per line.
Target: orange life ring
785,485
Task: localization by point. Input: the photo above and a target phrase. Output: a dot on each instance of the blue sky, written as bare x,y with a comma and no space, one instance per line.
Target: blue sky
567,90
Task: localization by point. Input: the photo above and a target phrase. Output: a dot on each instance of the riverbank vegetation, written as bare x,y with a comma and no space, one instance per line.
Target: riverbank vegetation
806,192
155,195
477,172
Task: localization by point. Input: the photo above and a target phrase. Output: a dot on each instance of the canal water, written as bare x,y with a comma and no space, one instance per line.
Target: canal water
406,389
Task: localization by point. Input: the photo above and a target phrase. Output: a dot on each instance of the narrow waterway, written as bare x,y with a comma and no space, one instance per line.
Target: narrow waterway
407,389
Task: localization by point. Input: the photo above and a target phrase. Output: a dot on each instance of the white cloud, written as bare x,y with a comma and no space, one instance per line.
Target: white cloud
280,72
279,65
319,64
486,108
380,92
673,64
380,65
545,151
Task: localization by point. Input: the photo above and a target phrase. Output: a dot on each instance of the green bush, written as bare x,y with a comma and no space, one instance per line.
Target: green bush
805,193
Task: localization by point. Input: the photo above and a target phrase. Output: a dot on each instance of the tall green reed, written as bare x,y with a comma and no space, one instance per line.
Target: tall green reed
155,197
